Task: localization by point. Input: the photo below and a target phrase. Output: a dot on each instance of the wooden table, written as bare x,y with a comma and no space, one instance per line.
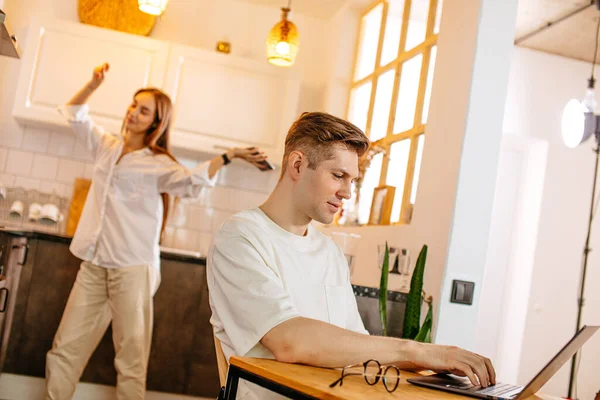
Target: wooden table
305,382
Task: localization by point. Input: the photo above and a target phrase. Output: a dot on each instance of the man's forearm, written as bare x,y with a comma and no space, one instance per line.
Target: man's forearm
308,341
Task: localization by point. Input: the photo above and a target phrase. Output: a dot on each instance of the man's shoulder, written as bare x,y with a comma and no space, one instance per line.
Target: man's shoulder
243,224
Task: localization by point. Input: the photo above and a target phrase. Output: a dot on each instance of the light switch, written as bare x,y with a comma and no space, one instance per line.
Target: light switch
462,292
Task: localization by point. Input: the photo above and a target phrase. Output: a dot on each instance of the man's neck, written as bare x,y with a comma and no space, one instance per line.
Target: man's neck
282,210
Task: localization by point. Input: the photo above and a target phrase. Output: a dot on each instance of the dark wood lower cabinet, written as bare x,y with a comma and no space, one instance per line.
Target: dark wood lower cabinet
181,326
182,359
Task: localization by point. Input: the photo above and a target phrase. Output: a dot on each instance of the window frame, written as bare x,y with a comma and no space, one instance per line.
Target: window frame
424,48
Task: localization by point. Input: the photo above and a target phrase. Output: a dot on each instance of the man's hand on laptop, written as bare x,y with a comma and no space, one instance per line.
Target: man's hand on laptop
457,361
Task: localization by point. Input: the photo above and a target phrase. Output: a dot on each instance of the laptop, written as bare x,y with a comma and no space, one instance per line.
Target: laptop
502,391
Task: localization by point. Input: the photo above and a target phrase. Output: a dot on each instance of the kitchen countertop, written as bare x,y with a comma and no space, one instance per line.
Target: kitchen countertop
165,253
189,257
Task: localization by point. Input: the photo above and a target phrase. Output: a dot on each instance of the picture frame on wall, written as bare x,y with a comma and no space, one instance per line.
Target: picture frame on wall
381,207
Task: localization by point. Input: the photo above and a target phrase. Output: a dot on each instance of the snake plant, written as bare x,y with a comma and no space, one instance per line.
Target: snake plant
383,284
412,314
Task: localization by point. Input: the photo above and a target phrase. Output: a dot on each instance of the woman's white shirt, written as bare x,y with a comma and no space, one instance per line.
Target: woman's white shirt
122,217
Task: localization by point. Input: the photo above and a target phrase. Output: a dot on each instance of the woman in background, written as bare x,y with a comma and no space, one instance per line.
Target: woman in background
118,237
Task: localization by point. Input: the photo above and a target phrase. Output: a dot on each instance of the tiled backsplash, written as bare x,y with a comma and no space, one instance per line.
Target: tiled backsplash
50,161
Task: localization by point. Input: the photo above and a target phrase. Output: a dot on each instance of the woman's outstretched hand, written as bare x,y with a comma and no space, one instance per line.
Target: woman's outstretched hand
98,75
252,155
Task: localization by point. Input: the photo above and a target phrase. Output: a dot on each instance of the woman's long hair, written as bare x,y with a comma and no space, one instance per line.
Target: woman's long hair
157,138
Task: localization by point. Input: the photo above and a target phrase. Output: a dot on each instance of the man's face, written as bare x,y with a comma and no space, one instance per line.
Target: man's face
320,192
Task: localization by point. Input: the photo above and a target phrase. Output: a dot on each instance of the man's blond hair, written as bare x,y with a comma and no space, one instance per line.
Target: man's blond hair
316,135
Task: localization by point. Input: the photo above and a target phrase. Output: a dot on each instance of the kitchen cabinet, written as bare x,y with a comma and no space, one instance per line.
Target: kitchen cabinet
223,100
219,100
182,358
59,58
13,254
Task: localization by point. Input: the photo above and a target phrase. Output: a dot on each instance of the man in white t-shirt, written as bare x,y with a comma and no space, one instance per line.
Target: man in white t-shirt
281,289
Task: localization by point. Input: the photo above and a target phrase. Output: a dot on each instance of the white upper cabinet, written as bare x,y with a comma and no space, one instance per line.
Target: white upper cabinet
59,58
219,100
224,101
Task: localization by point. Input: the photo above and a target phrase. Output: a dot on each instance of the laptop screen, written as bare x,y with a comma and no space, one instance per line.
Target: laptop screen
558,361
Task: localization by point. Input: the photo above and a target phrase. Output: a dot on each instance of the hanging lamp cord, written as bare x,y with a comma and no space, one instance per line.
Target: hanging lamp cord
592,80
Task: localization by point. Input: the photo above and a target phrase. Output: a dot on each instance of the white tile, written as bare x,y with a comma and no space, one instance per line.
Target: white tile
27,183
167,240
218,218
88,172
248,177
3,155
21,387
204,243
35,139
203,199
61,144
233,200
19,162
177,214
68,170
188,163
45,167
244,199
80,152
52,188
199,218
68,191
14,386
273,179
7,180
185,239
220,198
11,134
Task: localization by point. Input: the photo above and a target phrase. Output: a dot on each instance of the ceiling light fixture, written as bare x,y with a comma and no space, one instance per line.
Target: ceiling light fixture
283,41
153,7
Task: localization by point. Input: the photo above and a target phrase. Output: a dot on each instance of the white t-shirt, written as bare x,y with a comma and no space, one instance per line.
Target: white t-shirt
260,275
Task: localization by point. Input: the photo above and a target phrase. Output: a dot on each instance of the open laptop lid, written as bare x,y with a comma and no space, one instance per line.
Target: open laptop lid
558,361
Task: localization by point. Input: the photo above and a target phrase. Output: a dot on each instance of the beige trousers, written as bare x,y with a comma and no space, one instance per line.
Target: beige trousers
99,296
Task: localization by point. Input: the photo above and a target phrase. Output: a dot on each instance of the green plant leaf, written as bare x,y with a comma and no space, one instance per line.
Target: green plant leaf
424,334
383,291
412,313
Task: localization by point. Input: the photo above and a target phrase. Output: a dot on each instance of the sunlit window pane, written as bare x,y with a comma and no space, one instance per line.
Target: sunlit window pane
428,86
438,17
370,182
374,98
383,101
393,27
417,23
369,38
415,183
407,94
396,174
359,105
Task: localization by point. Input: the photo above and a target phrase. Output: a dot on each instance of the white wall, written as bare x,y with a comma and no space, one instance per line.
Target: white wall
511,251
456,187
539,87
49,161
341,45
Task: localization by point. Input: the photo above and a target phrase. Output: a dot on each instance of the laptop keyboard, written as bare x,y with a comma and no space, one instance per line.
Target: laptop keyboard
498,390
